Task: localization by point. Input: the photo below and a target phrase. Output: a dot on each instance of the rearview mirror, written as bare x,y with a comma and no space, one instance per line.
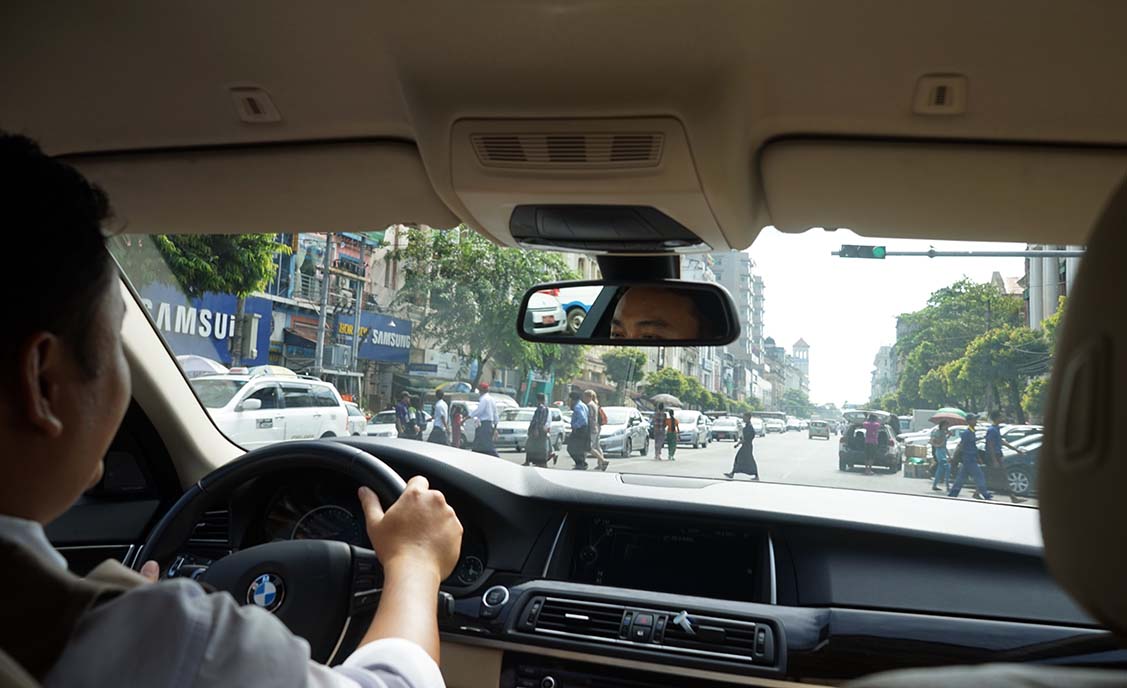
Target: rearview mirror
250,405
623,313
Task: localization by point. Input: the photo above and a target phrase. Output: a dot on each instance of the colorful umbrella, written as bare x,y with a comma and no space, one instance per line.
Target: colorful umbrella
952,415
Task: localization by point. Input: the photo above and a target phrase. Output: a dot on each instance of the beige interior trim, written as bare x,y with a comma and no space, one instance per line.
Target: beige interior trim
670,184
317,187
159,387
940,190
487,653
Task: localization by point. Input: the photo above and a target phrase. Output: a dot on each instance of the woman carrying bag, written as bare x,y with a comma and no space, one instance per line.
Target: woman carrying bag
745,457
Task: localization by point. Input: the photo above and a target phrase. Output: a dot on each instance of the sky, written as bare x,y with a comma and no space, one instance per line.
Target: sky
846,308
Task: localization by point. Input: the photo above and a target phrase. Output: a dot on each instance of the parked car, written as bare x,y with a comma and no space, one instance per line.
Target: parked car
512,428
624,431
694,428
818,428
774,425
1019,470
545,314
383,424
260,410
357,422
578,303
851,447
727,428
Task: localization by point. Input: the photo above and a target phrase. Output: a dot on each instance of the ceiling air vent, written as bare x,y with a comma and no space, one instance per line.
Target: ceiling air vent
578,618
569,151
213,529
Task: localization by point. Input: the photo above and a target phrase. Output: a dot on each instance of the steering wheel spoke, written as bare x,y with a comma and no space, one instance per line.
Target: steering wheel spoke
367,581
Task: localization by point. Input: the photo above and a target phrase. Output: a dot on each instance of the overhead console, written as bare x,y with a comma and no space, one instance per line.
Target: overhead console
625,185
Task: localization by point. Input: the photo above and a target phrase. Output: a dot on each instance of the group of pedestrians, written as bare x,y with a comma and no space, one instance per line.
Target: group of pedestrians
967,456
587,420
666,431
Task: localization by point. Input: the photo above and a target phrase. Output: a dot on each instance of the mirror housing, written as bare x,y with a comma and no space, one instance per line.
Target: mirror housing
629,313
249,405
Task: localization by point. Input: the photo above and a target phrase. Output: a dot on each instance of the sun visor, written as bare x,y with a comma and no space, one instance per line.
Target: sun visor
641,167
1023,193
330,187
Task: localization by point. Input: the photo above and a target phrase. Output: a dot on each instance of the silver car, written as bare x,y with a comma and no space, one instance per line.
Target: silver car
625,431
512,428
694,428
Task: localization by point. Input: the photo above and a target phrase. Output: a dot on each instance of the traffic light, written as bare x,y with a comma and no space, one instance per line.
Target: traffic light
855,251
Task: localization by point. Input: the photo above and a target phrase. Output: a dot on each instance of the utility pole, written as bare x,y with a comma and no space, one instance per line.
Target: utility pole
880,253
319,360
356,328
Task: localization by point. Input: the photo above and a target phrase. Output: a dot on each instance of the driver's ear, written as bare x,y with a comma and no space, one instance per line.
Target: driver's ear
41,363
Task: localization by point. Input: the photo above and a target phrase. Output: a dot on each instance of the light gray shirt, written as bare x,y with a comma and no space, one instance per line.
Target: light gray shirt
486,409
441,414
174,634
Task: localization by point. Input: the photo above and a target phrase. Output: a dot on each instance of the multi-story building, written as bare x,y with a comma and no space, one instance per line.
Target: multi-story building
735,270
885,367
1046,280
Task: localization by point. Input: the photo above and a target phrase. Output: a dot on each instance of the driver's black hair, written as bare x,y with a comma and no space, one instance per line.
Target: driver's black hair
53,220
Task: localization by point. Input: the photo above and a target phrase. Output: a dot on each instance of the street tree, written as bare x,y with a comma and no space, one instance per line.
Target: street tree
796,403
462,289
625,367
666,381
999,358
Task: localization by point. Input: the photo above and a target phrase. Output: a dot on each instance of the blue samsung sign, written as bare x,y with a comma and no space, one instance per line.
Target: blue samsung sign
382,337
204,325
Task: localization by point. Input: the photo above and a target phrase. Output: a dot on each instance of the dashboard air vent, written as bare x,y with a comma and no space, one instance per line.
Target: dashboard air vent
213,529
579,618
569,151
715,636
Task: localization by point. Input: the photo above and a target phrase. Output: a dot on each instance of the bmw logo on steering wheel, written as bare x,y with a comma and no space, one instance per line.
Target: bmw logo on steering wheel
267,592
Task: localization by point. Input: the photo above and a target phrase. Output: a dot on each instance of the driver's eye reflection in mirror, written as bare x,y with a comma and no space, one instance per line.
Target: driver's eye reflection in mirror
655,313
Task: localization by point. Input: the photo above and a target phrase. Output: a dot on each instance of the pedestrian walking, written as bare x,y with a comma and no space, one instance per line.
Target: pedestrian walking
486,416
967,455
539,435
994,461
938,441
419,418
595,419
580,440
457,417
658,425
745,457
672,433
872,441
403,416
439,435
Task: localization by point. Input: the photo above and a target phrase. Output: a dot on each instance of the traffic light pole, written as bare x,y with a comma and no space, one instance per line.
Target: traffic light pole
1047,253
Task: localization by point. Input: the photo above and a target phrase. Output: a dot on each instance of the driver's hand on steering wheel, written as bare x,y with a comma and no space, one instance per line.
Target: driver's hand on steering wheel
420,530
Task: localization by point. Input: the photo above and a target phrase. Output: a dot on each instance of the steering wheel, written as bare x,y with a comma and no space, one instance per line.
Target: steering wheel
315,587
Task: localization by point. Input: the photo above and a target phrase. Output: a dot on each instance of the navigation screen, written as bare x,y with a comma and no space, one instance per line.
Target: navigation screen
707,561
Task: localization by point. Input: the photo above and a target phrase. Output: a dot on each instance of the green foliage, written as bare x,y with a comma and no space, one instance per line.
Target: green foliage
666,381
624,366
999,357
796,403
1034,396
238,264
462,289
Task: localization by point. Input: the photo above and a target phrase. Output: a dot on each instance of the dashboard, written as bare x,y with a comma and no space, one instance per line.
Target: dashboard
618,580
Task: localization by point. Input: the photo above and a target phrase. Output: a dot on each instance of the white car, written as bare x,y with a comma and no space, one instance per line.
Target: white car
624,432
694,428
547,314
357,423
383,424
512,429
260,410
727,428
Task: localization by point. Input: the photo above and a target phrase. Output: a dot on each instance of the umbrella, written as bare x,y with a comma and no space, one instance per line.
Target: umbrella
950,414
667,399
195,366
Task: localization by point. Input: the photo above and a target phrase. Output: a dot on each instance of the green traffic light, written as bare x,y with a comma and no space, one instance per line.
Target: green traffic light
878,252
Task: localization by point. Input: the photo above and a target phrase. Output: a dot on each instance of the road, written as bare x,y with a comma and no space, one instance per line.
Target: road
787,458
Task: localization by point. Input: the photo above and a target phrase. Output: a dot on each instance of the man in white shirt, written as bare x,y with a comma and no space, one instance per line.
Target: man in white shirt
486,416
439,434
64,389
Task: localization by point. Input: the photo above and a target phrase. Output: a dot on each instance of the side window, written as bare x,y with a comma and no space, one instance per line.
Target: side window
297,395
323,396
268,395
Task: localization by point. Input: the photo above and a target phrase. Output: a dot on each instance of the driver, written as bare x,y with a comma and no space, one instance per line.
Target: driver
664,313
63,393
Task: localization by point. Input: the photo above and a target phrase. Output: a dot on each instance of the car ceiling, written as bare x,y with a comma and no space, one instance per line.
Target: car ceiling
794,113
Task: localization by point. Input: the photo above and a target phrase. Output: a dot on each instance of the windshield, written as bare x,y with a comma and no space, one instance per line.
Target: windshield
216,393
413,311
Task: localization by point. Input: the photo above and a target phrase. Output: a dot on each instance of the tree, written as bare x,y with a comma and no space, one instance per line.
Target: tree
999,358
1034,396
461,288
796,403
624,367
238,264
666,381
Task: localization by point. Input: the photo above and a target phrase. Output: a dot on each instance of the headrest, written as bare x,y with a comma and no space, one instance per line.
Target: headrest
1083,463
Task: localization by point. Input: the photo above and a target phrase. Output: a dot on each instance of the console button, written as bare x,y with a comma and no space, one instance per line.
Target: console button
640,634
627,620
644,620
659,628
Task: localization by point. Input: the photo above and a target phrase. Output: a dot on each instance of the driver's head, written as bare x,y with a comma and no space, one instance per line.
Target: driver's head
64,385
656,313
